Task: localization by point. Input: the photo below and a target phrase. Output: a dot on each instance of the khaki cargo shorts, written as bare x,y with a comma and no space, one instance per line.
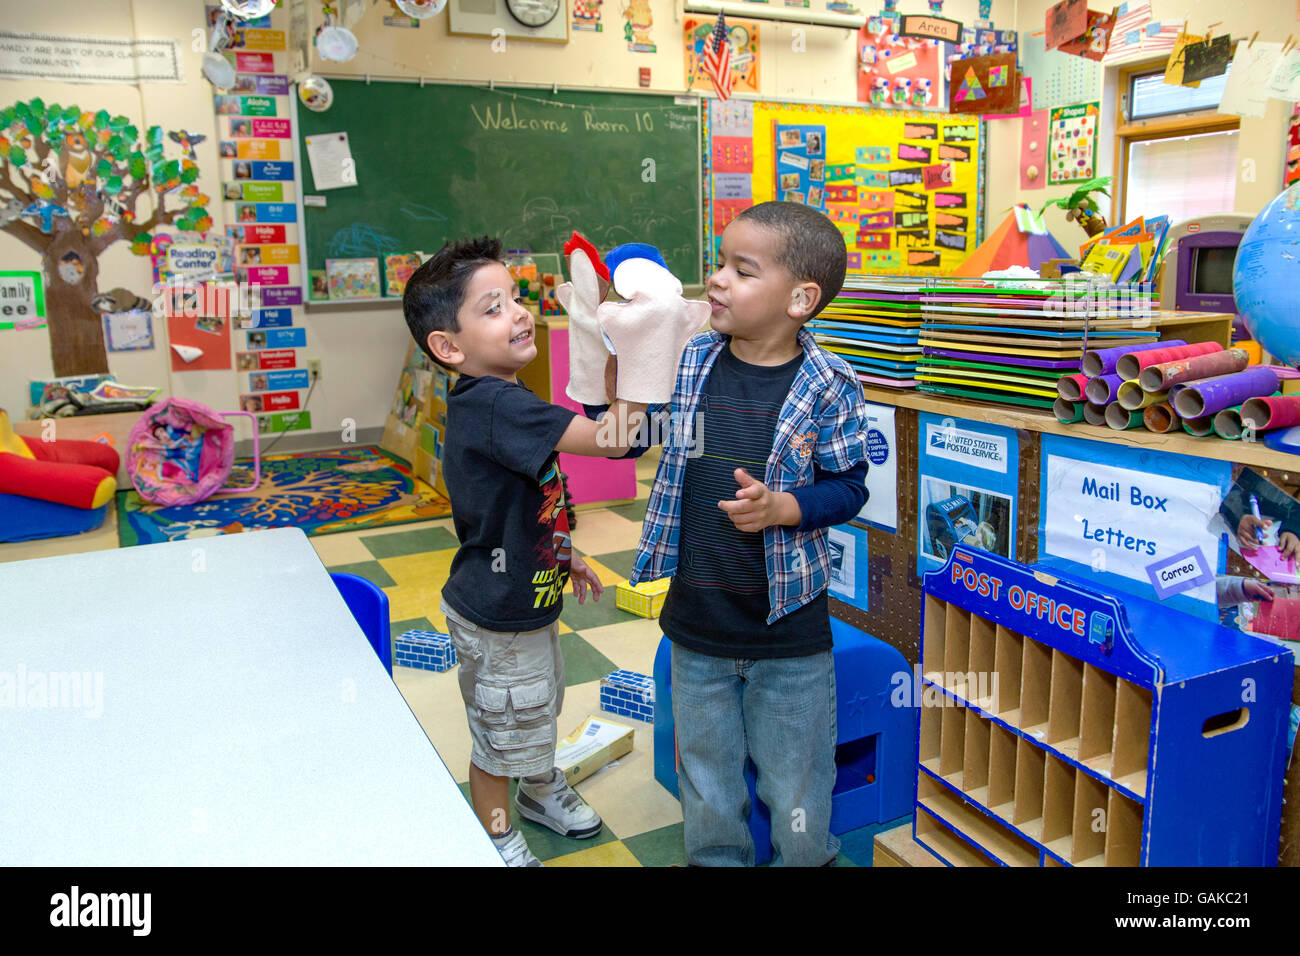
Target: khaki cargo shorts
513,687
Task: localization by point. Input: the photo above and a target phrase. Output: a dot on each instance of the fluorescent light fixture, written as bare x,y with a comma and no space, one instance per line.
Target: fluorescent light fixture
782,14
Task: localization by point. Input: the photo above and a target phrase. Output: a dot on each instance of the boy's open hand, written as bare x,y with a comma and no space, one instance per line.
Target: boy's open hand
581,575
757,506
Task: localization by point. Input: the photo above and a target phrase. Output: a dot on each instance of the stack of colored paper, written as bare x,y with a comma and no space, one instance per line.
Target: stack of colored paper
872,324
1010,341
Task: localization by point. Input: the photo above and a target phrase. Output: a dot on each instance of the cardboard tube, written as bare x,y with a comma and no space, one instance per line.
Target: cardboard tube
1070,387
1121,419
1132,362
1227,423
1161,418
1067,413
1131,396
1094,414
1102,361
1273,411
1158,378
1200,427
1101,390
1198,399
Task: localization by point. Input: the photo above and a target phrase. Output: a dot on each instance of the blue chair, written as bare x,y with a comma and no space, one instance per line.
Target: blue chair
369,606
875,753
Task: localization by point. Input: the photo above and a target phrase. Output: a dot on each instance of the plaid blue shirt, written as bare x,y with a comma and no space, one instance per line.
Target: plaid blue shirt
823,422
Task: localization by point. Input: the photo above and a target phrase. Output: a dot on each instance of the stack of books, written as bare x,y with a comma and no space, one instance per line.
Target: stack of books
1010,341
873,324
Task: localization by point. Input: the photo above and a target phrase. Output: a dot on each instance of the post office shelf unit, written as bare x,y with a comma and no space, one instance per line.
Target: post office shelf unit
1065,725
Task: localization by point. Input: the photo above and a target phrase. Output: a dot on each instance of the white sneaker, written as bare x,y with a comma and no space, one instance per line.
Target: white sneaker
514,849
554,804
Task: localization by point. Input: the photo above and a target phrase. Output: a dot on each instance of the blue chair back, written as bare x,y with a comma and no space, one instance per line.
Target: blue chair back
369,606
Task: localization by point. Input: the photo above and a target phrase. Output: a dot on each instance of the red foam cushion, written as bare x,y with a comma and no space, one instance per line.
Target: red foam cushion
60,482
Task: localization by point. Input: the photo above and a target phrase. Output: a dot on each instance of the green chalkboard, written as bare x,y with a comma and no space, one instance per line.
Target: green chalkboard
440,162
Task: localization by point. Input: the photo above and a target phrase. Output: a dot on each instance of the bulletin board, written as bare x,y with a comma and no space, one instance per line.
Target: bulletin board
918,213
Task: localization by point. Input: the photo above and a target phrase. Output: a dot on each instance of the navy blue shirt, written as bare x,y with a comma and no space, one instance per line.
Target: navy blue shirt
718,602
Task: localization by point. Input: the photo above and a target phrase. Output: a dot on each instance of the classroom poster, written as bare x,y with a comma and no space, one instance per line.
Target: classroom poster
1059,80
968,472
900,72
743,37
881,509
1136,520
916,163
801,165
1072,143
850,565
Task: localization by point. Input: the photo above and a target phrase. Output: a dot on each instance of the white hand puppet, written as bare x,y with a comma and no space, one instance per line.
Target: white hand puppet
650,330
587,351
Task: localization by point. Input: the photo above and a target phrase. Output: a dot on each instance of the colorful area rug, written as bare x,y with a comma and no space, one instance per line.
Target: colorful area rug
321,492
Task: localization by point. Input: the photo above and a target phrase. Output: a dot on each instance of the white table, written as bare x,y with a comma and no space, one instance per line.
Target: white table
241,717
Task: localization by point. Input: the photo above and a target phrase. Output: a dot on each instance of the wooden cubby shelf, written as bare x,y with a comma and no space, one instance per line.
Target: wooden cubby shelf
1064,725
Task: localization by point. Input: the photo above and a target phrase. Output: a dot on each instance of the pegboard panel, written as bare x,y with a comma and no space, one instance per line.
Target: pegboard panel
1027,505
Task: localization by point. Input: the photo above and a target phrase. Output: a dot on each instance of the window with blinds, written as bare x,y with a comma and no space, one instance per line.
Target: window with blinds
1182,176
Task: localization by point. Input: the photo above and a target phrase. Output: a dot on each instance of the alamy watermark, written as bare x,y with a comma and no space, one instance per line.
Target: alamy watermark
48,690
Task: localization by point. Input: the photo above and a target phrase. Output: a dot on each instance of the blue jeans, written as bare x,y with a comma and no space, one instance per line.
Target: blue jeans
781,714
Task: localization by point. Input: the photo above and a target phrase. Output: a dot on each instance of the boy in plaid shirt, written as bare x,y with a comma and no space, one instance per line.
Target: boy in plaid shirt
738,517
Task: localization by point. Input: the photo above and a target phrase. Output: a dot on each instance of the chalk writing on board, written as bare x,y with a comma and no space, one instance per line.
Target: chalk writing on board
361,239
422,213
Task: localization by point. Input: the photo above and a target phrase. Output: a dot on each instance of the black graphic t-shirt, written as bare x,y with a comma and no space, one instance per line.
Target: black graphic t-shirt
507,503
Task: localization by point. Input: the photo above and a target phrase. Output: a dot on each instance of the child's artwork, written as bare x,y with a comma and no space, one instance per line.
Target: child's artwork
985,84
801,163
637,28
1094,42
586,15
1177,64
1072,143
900,72
399,268
1066,21
743,37
353,278
1205,60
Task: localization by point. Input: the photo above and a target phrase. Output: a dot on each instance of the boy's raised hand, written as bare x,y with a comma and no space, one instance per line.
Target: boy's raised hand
587,352
757,506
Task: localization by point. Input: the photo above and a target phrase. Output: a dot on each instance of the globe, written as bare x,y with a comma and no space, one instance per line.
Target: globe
1265,274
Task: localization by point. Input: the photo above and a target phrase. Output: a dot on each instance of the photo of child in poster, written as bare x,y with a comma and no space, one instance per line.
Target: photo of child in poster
1261,522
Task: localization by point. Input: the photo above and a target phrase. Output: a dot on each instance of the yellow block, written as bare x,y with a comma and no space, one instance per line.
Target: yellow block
645,599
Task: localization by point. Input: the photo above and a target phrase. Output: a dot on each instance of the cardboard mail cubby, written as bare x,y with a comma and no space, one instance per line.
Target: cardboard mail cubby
1064,724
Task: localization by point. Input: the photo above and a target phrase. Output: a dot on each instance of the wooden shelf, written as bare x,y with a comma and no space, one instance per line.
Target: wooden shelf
1256,454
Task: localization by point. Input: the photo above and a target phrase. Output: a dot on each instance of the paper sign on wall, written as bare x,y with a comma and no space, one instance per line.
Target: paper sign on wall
1125,515
881,509
969,473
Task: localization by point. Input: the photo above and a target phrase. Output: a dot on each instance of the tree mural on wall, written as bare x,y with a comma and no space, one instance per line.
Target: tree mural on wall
73,183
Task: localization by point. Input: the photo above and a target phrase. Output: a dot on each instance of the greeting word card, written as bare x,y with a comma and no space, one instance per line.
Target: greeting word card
1072,145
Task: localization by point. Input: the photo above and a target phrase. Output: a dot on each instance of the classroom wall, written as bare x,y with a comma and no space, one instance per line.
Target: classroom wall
1263,141
361,349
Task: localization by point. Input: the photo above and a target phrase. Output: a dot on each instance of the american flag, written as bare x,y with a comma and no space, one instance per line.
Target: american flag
1160,37
717,59
1126,39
